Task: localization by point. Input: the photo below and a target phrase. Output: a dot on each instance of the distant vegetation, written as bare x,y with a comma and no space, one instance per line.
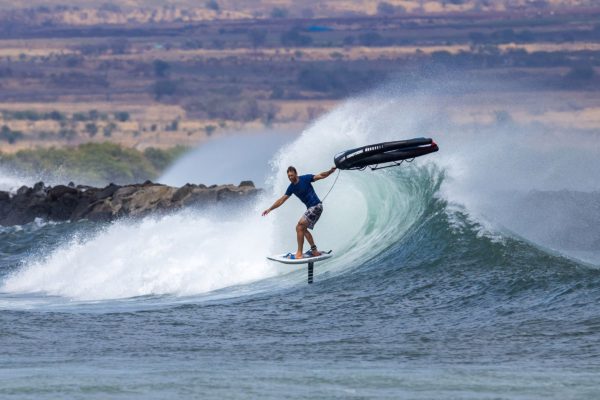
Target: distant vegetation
70,125
263,63
31,115
338,82
94,162
9,135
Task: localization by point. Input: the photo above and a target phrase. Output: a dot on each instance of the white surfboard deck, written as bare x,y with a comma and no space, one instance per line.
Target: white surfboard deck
286,260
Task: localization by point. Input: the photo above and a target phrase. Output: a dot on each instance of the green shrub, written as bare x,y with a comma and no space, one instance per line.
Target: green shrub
279,12
95,162
213,5
209,129
79,116
57,116
91,129
161,68
108,129
122,116
161,159
9,135
164,88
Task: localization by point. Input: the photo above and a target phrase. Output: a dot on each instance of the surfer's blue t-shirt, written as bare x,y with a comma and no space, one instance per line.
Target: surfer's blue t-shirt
304,190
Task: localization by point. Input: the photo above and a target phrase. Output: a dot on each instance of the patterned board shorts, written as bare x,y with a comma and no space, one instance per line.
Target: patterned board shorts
313,214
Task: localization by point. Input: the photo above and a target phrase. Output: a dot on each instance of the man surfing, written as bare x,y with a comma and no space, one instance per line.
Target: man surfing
302,187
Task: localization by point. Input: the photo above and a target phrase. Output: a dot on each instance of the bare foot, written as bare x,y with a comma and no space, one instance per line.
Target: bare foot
316,253
299,255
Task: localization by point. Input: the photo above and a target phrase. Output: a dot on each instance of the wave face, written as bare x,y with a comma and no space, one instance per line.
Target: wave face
475,192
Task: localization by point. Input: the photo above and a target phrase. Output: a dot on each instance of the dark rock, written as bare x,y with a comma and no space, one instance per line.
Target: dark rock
200,196
63,200
60,191
63,203
101,215
22,190
246,184
86,199
225,193
5,205
183,192
38,187
107,191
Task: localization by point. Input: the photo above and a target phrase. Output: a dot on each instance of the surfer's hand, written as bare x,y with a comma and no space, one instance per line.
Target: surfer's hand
266,212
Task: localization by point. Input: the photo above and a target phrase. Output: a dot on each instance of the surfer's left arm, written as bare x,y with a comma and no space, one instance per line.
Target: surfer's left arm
324,175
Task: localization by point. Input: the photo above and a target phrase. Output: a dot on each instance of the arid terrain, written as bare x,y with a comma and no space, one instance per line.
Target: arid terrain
143,74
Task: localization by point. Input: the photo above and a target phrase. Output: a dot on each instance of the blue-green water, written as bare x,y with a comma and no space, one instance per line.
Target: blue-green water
430,294
442,312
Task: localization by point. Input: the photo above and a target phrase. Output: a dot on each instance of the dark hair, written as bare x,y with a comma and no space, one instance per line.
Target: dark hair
290,168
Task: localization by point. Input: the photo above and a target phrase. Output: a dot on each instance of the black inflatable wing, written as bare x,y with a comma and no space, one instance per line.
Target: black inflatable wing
390,154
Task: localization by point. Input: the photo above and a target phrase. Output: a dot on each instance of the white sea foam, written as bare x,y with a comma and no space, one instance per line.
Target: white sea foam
181,254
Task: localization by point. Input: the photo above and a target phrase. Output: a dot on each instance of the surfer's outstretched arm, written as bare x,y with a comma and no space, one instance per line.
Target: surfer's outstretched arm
277,203
325,174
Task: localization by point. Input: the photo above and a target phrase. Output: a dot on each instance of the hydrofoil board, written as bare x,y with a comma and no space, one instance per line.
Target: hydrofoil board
287,258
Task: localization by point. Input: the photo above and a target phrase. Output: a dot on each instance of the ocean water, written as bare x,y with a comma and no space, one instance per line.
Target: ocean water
440,287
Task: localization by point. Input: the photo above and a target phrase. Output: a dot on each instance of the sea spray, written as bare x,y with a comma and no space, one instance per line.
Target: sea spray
228,158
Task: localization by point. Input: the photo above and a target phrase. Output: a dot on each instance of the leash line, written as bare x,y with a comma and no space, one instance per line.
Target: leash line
331,188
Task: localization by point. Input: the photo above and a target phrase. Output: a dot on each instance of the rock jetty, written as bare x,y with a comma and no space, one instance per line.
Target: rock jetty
73,203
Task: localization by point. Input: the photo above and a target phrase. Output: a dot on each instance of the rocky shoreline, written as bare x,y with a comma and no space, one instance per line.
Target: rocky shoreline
74,203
